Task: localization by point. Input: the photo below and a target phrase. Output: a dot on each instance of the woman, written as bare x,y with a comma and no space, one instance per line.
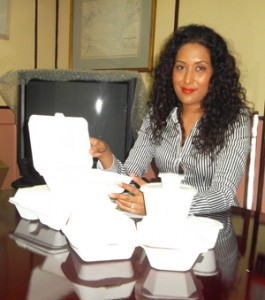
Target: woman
199,122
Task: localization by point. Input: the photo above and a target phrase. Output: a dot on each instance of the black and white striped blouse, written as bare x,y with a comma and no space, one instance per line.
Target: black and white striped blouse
215,180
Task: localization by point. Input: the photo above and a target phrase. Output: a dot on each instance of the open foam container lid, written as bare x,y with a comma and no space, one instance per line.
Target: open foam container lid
59,142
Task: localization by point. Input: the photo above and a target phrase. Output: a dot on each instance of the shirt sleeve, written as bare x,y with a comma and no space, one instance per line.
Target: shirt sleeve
140,155
230,165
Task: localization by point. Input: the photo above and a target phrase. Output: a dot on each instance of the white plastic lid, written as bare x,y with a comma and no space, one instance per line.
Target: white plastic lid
58,142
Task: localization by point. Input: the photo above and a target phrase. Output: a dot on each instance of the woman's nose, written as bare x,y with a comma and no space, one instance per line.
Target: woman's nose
189,76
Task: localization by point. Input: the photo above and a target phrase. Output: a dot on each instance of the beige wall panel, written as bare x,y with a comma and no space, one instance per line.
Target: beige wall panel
17,52
63,34
242,23
46,34
165,17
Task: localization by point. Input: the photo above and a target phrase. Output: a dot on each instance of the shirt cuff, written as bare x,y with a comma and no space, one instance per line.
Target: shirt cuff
113,168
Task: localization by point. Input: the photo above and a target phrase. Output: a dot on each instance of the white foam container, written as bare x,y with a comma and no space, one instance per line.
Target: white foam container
38,202
172,259
104,252
177,248
57,149
207,265
165,202
101,236
59,142
60,150
24,212
207,228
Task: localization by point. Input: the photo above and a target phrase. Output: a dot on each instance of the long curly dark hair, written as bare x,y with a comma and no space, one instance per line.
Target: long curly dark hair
225,100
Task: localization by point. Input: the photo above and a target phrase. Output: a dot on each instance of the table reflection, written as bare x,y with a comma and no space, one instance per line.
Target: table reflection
64,275
39,238
213,273
158,284
226,250
217,276
102,280
48,278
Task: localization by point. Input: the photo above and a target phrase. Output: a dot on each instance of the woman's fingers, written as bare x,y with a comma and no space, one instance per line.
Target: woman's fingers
97,147
137,179
132,201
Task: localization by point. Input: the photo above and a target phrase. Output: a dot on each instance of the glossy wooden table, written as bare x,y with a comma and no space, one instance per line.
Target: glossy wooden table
37,263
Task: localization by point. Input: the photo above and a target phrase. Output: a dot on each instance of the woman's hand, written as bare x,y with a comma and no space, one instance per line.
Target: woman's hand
133,200
101,150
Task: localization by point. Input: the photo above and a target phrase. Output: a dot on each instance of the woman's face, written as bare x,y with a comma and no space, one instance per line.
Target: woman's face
191,74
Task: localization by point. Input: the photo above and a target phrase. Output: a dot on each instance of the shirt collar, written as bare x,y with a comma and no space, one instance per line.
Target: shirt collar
174,115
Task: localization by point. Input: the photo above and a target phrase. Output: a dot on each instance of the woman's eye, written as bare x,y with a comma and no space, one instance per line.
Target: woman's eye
179,67
200,68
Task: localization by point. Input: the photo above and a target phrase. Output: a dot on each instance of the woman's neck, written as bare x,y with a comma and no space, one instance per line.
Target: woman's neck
189,110
189,117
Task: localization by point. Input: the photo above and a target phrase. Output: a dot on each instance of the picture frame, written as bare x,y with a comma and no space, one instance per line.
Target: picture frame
4,19
176,15
112,34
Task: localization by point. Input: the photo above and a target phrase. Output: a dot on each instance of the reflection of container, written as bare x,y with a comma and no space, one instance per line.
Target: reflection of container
122,291
39,238
47,285
48,281
100,280
98,270
156,284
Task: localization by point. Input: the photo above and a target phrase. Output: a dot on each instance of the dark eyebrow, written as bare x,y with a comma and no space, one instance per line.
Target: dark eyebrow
203,61
197,62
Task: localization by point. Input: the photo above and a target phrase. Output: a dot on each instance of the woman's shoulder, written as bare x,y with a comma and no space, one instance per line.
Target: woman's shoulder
244,116
242,121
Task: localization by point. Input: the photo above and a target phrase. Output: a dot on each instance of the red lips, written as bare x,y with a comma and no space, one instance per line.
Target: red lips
187,90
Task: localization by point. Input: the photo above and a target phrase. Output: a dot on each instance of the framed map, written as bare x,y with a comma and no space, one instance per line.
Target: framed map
116,34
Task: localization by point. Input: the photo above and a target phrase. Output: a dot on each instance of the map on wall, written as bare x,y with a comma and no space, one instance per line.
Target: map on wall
110,28
112,34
